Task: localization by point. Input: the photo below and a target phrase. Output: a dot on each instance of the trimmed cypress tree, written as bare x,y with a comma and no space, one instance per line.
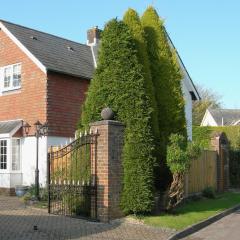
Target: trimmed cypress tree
118,83
133,21
166,77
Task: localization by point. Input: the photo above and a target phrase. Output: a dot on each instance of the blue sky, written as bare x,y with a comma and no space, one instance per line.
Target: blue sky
206,33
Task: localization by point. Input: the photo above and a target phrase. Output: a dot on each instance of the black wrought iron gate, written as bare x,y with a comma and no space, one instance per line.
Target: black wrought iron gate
72,172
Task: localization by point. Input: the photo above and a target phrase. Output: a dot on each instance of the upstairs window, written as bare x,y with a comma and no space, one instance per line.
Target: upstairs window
12,77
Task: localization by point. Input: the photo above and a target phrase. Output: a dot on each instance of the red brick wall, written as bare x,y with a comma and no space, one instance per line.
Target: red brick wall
65,97
28,103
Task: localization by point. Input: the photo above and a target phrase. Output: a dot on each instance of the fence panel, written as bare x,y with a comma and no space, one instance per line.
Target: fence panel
203,172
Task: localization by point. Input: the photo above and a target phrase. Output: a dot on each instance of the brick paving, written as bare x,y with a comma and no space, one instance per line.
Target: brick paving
226,228
17,223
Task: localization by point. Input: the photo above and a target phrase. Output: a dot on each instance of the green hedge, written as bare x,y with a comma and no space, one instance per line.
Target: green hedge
234,168
203,135
118,83
167,80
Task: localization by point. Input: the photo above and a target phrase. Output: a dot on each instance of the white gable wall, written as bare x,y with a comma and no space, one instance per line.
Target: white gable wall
208,120
188,109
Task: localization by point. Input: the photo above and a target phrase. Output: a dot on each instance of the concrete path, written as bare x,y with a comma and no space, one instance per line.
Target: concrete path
227,228
17,221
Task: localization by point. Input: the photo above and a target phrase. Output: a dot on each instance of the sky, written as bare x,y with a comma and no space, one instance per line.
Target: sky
206,33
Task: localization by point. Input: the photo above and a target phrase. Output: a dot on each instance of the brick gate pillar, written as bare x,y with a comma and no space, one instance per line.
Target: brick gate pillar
109,168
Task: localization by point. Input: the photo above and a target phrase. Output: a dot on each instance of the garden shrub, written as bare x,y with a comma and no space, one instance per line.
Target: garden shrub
118,83
209,192
180,153
167,80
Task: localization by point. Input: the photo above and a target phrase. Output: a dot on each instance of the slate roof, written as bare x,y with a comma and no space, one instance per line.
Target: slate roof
55,53
8,126
228,116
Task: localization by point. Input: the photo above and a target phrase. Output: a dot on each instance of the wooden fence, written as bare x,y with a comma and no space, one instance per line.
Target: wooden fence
202,173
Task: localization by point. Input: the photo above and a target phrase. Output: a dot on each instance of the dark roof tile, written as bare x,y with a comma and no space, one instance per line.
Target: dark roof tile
226,116
53,52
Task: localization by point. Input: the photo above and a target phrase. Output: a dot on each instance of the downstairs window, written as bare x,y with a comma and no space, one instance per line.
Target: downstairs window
3,154
15,154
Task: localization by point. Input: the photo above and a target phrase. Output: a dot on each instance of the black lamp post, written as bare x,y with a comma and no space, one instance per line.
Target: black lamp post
41,130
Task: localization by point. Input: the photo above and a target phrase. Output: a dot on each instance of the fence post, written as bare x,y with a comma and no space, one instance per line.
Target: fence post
109,168
220,144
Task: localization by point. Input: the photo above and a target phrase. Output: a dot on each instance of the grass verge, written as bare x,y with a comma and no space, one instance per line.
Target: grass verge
193,211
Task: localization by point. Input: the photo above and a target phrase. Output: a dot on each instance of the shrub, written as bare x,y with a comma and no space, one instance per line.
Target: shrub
209,192
133,21
167,79
180,153
119,84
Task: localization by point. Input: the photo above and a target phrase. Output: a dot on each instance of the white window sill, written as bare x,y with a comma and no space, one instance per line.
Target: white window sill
11,91
4,171
10,172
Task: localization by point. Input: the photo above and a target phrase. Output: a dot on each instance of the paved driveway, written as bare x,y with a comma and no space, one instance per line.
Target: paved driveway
17,221
227,228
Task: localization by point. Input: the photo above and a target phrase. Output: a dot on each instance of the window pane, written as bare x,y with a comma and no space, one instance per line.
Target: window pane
3,154
15,154
7,76
17,75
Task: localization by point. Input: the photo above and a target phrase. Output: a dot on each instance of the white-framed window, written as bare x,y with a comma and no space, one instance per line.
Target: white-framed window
16,154
11,77
3,154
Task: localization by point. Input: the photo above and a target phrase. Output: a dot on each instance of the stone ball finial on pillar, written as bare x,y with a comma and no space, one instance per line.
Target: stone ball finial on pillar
107,114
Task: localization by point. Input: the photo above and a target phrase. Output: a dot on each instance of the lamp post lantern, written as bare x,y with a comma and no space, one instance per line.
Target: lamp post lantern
40,130
26,128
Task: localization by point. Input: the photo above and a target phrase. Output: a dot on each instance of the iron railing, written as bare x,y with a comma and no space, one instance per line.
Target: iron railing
72,171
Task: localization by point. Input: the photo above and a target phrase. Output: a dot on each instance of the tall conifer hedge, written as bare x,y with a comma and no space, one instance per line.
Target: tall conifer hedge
133,21
118,82
166,77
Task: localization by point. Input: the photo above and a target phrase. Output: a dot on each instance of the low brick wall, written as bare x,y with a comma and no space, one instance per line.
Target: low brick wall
7,191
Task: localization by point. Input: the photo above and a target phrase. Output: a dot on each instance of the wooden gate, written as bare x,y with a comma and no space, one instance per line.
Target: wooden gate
202,173
72,178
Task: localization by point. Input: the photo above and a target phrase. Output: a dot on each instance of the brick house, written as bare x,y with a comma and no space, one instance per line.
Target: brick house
44,77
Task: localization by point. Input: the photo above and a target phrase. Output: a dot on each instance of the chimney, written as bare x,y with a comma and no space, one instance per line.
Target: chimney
93,36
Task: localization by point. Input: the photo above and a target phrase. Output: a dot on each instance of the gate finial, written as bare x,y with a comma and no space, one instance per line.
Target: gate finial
107,114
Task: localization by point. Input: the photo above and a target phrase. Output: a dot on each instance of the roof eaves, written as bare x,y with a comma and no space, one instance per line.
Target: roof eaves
69,74
194,87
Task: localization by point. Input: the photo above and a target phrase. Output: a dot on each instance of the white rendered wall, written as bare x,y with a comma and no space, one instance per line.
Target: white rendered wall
5,180
29,157
188,109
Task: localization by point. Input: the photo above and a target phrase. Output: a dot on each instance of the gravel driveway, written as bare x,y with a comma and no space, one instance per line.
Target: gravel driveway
17,223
